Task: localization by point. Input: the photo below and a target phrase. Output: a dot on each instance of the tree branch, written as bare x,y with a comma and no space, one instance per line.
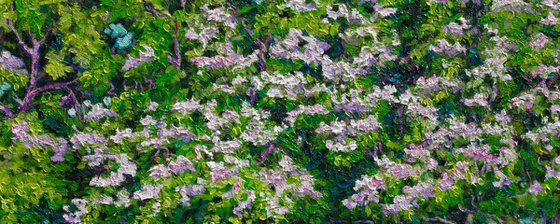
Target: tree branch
73,96
183,3
6,111
239,19
176,60
150,8
111,91
32,93
176,48
34,75
270,147
258,42
47,34
20,42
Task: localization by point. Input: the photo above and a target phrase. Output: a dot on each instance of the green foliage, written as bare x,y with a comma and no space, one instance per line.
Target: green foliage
280,82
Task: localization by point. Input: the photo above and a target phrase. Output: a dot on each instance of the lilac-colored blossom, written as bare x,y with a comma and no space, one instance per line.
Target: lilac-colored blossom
503,180
423,189
301,5
549,20
539,41
456,29
12,63
75,216
536,188
148,192
400,203
144,56
181,165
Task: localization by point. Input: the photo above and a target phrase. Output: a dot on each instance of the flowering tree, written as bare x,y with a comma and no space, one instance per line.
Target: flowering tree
289,111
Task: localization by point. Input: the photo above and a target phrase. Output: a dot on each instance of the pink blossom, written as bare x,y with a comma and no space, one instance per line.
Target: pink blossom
539,41
146,56
147,192
205,35
218,171
442,46
60,149
503,180
551,173
536,188
456,29
186,106
181,165
549,20
341,146
12,63
300,5
159,171
423,189
401,171
75,216
400,203
446,182
191,190
97,112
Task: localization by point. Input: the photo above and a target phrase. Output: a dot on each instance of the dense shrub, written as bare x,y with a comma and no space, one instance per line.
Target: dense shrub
289,111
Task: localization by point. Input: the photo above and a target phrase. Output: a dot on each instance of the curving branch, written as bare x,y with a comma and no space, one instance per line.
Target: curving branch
33,92
176,58
150,8
270,147
156,154
33,51
20,42
75,102
176,48
262,45
6,111
47,34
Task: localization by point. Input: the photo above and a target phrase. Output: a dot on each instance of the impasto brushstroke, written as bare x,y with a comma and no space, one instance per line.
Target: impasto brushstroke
279,111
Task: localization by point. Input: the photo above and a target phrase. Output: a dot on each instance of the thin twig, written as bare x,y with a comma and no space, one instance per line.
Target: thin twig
152,10
239,19
176,48
111,91
265,154
370,153
7,111
153,158
73,96
21,44
257,41
48,33
176,60
17,99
